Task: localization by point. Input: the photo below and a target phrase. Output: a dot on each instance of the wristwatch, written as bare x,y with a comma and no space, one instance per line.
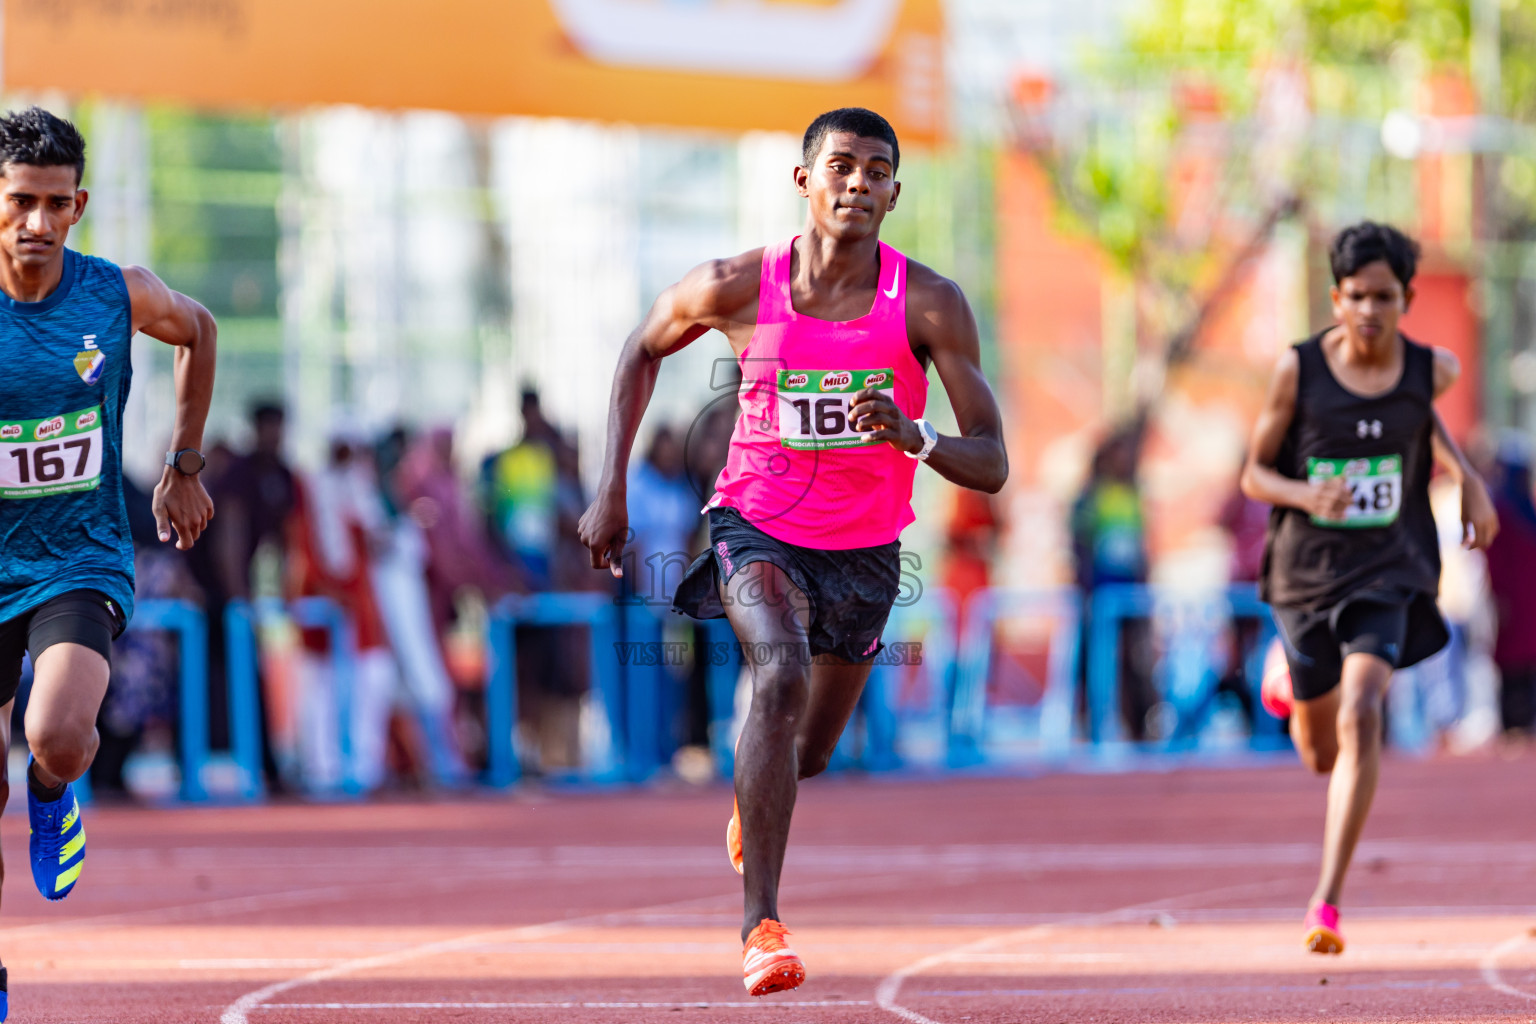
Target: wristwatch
930,438
186,461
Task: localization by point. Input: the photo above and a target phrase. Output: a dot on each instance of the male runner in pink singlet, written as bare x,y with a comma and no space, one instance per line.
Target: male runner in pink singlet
835,332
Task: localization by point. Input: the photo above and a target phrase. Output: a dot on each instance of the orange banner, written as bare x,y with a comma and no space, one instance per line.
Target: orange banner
725,64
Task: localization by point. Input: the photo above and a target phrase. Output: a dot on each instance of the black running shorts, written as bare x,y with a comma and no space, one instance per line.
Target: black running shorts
1402,628
851,591
85,617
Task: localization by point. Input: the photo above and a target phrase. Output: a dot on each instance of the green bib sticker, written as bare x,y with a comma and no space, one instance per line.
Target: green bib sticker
814,404
1375,489
54,455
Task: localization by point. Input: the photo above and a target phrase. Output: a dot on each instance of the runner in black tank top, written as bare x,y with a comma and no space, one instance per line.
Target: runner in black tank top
1343,450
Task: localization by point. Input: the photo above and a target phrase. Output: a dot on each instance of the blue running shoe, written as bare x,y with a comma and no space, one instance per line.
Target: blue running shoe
5,999
58,843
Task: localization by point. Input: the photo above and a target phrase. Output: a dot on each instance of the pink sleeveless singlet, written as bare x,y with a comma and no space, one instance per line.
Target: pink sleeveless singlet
796,469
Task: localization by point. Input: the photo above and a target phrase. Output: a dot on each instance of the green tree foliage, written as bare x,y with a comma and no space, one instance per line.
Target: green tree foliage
1283,98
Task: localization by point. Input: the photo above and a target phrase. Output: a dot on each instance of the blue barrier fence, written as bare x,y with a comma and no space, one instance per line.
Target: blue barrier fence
188,624
932,704
598,613
1189,675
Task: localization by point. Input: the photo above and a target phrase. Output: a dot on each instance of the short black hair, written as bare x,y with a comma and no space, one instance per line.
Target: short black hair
866,124
40,139
267,409
1367,242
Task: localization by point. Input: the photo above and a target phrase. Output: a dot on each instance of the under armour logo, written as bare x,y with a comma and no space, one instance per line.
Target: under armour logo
1368,429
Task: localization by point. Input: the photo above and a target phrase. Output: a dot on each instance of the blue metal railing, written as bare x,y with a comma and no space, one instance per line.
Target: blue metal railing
186,622
240,619
596,611
956,712
1191,684
985,609
919,639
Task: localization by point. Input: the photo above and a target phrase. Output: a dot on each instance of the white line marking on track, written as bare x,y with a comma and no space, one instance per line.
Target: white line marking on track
564,1006
239,1011
890,986
1490,965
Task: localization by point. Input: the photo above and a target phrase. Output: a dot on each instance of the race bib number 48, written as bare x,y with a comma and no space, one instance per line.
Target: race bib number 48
1375,489
51,456
813,406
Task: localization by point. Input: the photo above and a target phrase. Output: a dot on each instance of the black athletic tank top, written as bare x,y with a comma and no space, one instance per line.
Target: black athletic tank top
1382,445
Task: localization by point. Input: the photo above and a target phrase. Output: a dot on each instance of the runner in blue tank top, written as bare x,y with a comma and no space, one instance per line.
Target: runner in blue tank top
66,561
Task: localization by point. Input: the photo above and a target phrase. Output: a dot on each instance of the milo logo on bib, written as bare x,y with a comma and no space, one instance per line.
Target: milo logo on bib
53,455
814,405
1375,489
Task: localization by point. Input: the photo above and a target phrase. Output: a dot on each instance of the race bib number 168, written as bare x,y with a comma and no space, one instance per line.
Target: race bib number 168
813,406
51,456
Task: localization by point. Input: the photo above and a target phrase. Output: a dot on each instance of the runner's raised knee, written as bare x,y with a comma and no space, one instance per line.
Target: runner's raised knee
1318,760
63,751
813,762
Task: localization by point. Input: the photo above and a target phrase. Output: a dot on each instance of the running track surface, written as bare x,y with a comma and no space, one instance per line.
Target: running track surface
1149,897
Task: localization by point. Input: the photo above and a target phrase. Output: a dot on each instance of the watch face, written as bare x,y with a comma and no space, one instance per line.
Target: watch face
189,461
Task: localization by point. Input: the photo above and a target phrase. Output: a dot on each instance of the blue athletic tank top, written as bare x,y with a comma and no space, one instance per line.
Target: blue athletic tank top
63,524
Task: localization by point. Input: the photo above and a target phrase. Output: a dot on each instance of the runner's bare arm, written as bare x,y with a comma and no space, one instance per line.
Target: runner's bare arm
1261,481
179,501
712,295
1479,521
941,323
1447,370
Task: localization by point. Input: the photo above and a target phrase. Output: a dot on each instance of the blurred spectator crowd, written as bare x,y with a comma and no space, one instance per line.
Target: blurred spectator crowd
415,548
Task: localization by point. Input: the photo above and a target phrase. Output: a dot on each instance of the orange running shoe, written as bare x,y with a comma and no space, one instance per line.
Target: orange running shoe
767,964
733,838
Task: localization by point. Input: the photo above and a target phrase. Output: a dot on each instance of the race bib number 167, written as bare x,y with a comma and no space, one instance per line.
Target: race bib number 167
51,456
813,406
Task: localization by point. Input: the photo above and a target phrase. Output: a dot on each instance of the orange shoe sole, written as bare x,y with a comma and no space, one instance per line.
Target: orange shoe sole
1325,940
733,841
781,977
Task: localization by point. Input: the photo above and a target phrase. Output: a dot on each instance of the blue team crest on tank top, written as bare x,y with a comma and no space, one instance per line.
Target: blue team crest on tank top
63,525
90,361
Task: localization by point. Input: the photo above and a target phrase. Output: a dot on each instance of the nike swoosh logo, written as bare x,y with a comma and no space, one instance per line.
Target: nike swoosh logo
895,285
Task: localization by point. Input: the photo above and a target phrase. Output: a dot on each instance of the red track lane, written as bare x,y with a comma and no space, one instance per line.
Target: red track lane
1151,897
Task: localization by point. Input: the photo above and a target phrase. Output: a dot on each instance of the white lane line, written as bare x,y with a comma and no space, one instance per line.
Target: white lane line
563,860
231,905
890,986
1097,991
1490,964
566,1006
239,1011
187,911
252,964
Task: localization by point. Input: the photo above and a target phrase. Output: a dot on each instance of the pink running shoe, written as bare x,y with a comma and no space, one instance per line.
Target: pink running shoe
1322,924
1275,690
